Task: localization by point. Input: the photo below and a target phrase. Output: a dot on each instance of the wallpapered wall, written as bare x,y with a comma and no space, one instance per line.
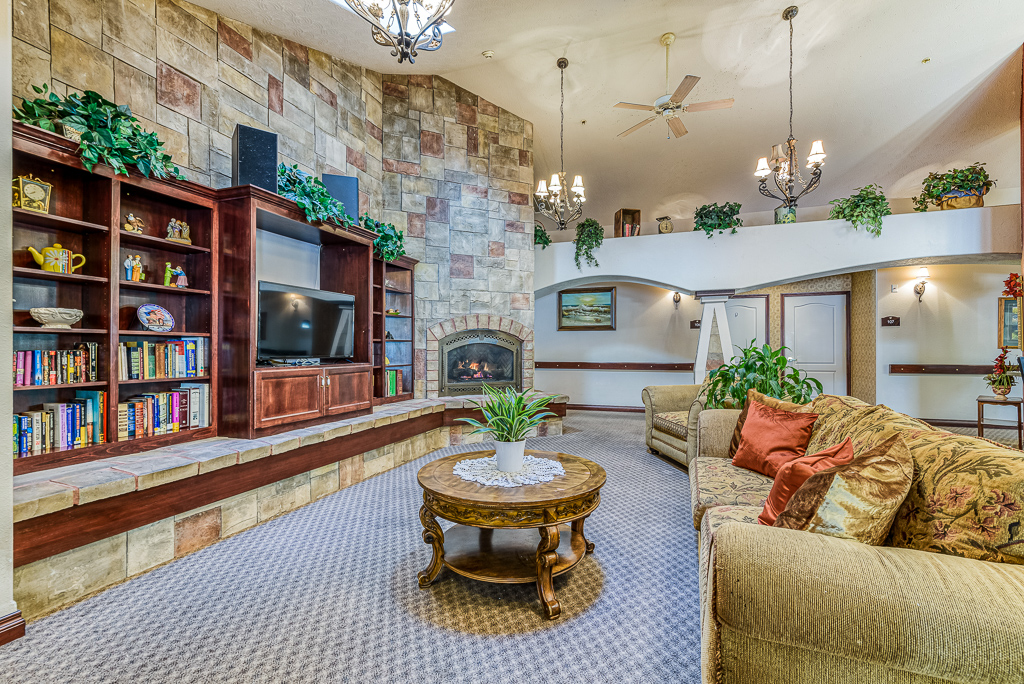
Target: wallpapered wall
451,169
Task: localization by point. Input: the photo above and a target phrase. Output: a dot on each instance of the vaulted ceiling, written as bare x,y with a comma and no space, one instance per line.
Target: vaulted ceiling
895,89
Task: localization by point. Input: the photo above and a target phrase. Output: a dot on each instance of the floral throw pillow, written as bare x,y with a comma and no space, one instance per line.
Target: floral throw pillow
966,499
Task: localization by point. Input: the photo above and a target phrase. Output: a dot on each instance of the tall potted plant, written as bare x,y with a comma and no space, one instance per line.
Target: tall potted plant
955,189
763,369
509,417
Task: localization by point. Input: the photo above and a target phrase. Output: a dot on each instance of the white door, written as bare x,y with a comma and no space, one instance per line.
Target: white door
814,330
747,321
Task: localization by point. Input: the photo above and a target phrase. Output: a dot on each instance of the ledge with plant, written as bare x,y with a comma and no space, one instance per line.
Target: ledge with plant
312,196
509,417
712,217
540,236
863,209
763,369
106,133
389,243
589,236
955,189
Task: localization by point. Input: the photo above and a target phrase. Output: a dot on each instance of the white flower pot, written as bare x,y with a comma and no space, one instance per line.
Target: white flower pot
510,455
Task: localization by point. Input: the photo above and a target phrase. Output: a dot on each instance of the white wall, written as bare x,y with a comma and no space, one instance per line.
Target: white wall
955,323
648,329
283,260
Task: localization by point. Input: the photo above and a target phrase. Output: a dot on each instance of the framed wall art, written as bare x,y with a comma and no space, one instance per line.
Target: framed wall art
1009,322
587,308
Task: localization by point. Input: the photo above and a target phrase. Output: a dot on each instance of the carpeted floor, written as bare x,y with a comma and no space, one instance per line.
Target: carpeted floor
328,593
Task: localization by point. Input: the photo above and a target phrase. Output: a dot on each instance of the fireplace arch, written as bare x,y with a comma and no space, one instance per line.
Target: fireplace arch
502,341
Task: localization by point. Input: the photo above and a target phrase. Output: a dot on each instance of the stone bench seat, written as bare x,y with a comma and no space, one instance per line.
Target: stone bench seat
56,489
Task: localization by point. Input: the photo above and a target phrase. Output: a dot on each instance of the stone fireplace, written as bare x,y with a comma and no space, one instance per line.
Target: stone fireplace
465,352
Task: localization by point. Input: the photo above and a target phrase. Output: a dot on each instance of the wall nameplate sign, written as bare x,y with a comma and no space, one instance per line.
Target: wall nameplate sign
890,321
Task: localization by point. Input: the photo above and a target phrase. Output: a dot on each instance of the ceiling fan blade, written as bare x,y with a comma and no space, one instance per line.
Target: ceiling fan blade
708,106
640,125
684,88
678,129
630,105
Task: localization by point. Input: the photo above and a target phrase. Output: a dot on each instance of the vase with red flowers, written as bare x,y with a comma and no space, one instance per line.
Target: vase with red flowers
1013,286
1000,379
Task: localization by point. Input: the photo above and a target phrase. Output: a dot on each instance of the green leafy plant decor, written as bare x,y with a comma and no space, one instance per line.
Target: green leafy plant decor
509,415
764,369
390,242
940,187
110,134
589,236
712,217
312,196
540,236
865,208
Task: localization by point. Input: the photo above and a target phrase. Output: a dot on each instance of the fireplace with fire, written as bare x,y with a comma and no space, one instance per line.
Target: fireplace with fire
471,358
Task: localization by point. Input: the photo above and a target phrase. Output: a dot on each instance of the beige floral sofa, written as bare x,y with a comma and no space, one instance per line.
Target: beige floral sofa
671,413
941,601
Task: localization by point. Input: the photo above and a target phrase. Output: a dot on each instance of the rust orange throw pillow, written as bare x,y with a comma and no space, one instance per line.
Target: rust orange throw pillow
752,396
792,475
772,438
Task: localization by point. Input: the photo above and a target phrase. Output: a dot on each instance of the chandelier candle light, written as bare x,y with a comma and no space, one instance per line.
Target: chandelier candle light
783,163
561,204
406,25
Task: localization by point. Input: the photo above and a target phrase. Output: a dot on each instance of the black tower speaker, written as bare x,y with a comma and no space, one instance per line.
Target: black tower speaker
345,189
254,158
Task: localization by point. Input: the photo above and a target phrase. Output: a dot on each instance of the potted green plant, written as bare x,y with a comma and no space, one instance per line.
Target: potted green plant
589,236
540,236
106,133
865,208
1000,379
712,217
509,417
955,189
312,196
763,369
389,243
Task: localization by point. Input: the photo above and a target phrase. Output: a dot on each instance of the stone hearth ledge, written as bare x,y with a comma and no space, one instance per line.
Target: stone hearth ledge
52,490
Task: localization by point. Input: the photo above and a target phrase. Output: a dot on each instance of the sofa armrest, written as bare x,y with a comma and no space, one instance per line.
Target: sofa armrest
665,398
714,431
954,619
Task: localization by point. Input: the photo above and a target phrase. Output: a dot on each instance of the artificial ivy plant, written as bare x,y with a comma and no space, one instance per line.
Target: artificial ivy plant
865,208
312,196
763,369
540,236
589,236
712,217
389,243
974,180
110,134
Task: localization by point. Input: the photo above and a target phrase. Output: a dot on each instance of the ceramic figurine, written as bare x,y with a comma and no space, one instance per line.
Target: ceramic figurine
178,231
168,271
134,224
128,267
180,279
137,274
56,259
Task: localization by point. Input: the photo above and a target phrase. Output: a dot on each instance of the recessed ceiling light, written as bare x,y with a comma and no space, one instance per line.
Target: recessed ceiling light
488,54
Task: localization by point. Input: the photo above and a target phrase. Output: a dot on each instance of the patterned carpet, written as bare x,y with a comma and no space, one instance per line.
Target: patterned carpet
328,593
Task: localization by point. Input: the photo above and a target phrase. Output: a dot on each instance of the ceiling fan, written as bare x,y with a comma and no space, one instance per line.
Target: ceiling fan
671,106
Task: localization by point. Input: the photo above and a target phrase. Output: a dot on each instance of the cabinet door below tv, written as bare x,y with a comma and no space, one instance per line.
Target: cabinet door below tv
287,396
348,389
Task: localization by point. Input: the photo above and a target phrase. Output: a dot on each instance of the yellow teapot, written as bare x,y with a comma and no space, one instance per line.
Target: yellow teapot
56,259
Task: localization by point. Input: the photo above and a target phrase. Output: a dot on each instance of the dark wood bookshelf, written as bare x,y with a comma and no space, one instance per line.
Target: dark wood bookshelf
157,333
59,331
54,222
147,381
40,274
142,285
72,385
157,242
394,288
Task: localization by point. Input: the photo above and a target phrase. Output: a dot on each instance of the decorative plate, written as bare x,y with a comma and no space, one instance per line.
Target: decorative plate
156,318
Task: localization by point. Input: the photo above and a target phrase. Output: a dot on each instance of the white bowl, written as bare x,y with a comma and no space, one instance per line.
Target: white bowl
51,317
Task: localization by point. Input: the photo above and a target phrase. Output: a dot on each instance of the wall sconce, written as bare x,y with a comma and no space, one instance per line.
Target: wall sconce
923,277
676,298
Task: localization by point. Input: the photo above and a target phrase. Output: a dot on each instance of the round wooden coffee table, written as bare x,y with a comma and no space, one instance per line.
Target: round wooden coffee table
493,540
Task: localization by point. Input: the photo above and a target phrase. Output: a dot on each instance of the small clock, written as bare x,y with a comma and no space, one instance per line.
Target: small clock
665,225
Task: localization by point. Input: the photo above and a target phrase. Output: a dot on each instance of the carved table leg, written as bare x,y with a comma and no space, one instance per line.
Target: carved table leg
432,535
547,556
577,528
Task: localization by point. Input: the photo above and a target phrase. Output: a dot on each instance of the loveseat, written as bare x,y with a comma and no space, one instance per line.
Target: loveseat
941,601
671,413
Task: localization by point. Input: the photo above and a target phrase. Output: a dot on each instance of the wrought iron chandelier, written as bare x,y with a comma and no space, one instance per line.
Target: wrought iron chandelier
561,204
406,25
783,163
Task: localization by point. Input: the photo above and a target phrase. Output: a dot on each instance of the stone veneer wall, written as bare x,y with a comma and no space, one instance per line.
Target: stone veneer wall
451,169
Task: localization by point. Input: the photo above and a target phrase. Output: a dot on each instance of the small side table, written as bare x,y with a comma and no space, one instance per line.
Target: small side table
1007,401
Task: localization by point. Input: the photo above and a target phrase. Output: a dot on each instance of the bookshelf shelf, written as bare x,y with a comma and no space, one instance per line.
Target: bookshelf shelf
160,243
134,285
394,288
75,385
54,222
148,381
398,315
59,331
40,274
154,333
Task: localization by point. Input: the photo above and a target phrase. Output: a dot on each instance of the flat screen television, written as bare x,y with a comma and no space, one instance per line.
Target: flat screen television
299,323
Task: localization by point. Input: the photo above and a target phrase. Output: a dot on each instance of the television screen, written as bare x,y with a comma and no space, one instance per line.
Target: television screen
297,322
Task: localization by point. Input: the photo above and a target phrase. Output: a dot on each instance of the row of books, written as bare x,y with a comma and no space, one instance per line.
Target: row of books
392,383
184,358
57,366
160,413
59,426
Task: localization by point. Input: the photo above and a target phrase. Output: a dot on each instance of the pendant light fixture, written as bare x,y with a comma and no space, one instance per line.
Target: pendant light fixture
405,25
555,201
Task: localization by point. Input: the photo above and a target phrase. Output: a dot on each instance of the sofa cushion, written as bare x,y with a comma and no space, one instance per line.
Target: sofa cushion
856,500
752,396
792,476
772,437
966,498
835,417
717,482
709,524
873,427
673,422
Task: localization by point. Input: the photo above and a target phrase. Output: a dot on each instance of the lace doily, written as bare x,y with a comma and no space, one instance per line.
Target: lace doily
485,471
